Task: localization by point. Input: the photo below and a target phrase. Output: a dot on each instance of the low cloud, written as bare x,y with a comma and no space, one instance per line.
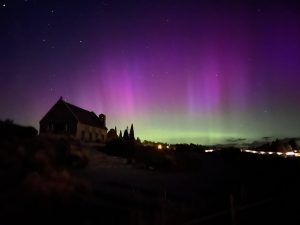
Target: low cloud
235,140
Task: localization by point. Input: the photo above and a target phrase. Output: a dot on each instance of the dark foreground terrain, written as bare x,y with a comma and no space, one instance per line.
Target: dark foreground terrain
230,188
47,180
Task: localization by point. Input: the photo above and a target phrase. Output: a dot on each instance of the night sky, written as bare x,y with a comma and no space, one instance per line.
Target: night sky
180,71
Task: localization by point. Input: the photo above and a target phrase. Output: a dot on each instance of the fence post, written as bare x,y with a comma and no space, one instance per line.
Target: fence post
232,209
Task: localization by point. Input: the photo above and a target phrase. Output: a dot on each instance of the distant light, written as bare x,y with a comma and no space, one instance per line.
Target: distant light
279,153
297,154
262,152
159,147
168,146
4,5
290,153
209,150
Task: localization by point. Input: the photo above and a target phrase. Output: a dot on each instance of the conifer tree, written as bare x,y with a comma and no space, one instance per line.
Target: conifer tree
126,135
131,133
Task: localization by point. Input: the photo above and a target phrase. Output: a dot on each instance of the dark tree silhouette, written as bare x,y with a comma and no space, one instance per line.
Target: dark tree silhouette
293,143
120,134
131,133
111,135
126,135
11,131
138,140
276,145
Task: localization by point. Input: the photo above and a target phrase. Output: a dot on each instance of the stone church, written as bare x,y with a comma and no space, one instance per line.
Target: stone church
67,119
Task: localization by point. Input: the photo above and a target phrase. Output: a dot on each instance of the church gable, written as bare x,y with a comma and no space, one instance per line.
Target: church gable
59,119
59,112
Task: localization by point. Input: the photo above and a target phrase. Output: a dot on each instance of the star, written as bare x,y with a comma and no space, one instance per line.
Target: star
3,5
266,111
165,20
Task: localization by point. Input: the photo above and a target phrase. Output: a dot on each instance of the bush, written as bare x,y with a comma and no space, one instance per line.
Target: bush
36,179
151,158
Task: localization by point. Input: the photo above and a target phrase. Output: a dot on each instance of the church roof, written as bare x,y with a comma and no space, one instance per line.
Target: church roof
80,114
84,116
